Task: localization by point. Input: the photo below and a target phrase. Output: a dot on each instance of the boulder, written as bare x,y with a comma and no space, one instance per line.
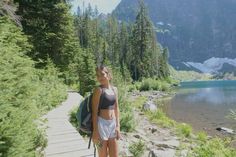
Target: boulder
226,130
149,106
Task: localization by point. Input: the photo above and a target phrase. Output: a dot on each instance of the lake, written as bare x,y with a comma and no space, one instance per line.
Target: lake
204,105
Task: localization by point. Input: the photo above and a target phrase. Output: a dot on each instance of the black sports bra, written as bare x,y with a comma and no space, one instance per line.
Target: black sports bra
107,101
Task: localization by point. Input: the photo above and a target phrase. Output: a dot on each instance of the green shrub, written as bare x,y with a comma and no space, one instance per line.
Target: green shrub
131,88
137,148
145,85
154,84
164,86
213,148
138,103
127,122
160,118
73,119
184,130
202,136
26,93
137,85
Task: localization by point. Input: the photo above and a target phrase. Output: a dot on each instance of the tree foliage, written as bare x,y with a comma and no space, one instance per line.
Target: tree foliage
25,94
53,44
50,27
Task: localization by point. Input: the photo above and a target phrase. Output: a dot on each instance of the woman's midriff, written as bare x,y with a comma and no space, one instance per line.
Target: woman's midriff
107,114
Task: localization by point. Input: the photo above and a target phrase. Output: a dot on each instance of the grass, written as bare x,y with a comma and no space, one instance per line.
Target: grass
72,114
138,103
137,148
214,147
184,130
160,118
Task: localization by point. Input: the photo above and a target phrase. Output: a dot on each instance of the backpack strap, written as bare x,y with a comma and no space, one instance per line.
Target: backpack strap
90,139
94,150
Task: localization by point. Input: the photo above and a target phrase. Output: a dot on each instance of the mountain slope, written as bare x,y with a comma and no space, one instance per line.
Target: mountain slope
193,30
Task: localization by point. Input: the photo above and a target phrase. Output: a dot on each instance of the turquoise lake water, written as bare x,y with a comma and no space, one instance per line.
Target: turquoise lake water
204,105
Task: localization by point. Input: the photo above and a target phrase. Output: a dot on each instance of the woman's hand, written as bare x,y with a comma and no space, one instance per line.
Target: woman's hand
95,137
118,135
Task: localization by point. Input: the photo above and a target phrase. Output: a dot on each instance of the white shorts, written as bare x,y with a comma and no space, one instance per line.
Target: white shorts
106,128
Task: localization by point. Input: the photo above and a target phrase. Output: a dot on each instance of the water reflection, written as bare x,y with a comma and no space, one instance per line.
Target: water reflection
209,96
204,106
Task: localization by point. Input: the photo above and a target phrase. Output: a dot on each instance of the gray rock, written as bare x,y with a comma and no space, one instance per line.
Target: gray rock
162,153
137,136
226,130
149,106
172,144
152,154
150,97
154,130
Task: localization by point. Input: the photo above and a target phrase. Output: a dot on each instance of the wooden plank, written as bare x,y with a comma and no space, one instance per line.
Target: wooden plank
61,132
78,153
63,139
62,148
59,129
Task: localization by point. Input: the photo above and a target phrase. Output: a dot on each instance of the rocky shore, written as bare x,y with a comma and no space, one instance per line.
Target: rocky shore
158,141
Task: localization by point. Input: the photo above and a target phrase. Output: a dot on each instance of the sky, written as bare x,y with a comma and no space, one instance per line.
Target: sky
104,6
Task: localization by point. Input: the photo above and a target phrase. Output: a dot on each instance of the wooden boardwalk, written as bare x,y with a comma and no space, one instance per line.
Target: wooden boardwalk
63,139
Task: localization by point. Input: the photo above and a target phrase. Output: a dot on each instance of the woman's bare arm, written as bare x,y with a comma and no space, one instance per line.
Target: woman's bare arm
117,111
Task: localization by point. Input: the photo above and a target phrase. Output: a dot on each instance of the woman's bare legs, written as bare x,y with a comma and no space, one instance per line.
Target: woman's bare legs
113,147
102,152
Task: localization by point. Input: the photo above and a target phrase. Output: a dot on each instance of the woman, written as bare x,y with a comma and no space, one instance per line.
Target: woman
105,115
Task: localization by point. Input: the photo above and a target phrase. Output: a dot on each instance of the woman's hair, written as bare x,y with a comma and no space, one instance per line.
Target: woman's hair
104,68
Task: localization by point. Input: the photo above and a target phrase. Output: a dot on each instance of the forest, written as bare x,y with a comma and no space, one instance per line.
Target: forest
45,50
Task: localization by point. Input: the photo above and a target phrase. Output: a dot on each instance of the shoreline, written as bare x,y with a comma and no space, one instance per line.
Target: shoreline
167,96
172,142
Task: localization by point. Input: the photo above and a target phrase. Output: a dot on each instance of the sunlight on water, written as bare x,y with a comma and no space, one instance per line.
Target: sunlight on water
204,104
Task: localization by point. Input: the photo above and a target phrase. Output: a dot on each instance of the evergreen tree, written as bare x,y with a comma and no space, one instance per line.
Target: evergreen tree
124,47
87,72
25,94
50,27
164,70
84,30
144,47
113,40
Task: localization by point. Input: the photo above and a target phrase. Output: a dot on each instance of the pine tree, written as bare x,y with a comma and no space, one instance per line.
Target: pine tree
50,27
144,47
25,94
124,47
164,67
113,40
87,72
